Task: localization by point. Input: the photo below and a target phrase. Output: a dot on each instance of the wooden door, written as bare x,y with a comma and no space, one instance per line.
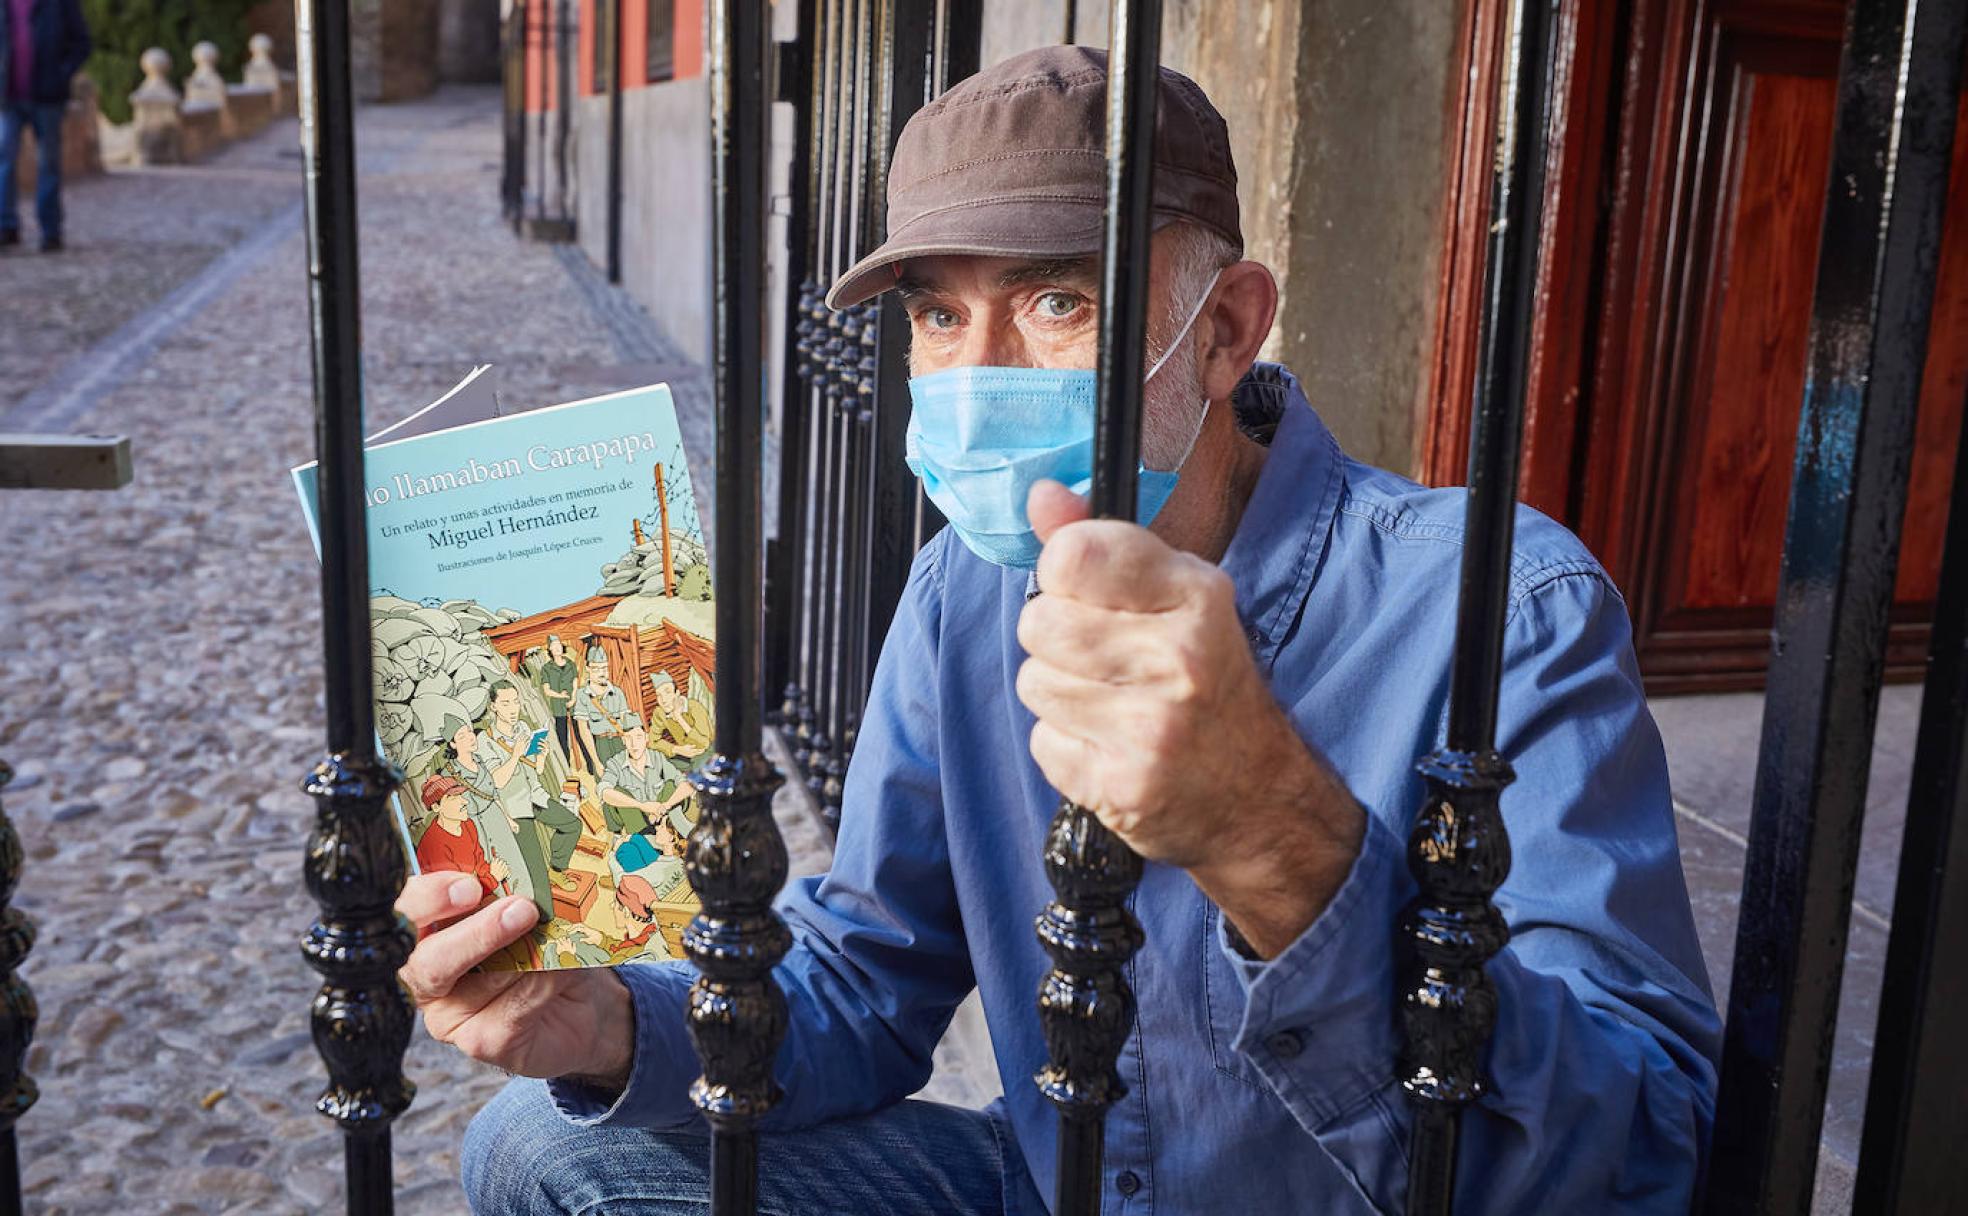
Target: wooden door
1686,222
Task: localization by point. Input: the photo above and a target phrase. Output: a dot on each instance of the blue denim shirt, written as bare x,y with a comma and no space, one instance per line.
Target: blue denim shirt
1268,1086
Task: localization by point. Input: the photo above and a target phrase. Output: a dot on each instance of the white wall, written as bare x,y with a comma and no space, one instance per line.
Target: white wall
666,203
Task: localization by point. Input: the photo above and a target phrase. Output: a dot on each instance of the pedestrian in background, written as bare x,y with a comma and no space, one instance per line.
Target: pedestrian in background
43,44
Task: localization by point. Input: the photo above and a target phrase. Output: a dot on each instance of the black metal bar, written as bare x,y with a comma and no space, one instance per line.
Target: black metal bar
735,857
512,49
959,43
1459,851
543,38
798,84
614,53
911,54
1910,1147
355,865
1880,244
17,1010
1085,1005
565,43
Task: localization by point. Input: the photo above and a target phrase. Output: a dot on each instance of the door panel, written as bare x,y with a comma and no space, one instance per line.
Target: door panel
1667,379
1710,570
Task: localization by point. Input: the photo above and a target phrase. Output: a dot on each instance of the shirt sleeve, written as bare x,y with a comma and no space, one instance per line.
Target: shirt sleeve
1602,1066
879,962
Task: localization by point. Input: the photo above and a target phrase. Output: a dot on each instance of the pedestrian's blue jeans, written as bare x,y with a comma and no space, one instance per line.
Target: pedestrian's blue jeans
521,1158
46,119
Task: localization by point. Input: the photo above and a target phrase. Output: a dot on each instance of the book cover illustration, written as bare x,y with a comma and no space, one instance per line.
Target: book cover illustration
540,605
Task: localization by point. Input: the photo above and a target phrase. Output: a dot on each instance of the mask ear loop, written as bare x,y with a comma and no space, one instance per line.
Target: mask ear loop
1175,344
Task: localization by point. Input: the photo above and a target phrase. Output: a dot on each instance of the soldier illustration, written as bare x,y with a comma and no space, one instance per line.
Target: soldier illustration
513,753
599,708
680,728
648,868
498,831
639,787
557,678
451,841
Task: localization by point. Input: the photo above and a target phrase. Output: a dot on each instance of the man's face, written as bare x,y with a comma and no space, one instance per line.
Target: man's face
667,697
505,706
451,808
637,739
969,311
598,672
465,740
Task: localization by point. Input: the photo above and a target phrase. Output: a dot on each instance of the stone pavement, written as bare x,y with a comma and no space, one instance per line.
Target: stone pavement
1711,756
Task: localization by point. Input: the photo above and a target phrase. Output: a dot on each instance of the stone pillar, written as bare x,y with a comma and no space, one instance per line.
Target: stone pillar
468,41
393,48
81,144
155,110
262,73
206,88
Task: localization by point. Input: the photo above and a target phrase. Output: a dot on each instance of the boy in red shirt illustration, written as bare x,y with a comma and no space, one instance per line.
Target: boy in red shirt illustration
451,841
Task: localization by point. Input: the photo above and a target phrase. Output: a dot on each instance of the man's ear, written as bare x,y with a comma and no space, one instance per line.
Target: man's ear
1235,323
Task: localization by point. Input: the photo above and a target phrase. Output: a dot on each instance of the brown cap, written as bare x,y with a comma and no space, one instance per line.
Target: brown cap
1013,163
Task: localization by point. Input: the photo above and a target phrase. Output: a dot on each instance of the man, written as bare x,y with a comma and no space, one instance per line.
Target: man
682,727
509,752
1239,689
599,707
638,787
43,44
450,842
557,686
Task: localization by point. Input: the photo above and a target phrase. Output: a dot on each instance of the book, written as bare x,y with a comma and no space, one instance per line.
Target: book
544,659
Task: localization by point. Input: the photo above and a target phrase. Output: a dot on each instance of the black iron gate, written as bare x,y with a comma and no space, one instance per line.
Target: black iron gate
848,517
849,513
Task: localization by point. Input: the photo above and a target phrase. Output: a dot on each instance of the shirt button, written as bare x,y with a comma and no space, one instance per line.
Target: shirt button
1127,1182
1286,1044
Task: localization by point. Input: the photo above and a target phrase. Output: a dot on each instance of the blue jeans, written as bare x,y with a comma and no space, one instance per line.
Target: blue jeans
521,1158
46,119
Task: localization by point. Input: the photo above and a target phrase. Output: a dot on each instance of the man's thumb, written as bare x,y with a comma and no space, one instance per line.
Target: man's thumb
1051,506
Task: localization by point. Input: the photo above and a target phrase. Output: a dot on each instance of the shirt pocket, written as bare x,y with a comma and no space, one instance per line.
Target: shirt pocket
1223,996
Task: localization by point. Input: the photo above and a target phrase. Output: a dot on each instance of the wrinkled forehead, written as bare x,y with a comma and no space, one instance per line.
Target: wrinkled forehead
962,274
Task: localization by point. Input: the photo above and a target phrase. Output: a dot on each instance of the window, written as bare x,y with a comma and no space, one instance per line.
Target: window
662,40
600,76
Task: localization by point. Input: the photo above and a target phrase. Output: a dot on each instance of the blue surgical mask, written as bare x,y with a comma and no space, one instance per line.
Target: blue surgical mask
981,437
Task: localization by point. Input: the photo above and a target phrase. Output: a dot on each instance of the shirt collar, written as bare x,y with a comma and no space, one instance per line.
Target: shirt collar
1286,523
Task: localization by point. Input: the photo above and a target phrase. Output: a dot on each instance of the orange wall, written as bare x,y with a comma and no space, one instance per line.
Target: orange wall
688,52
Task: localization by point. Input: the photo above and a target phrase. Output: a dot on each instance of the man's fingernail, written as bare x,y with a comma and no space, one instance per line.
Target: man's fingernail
518,915
464,891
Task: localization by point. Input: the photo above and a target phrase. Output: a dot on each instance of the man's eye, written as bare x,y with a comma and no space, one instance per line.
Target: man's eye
938,318
1057,305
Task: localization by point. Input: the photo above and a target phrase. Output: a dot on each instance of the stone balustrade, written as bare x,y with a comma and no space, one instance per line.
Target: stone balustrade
175,127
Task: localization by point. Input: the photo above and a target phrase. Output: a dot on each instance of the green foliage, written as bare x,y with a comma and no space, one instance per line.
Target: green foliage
124,29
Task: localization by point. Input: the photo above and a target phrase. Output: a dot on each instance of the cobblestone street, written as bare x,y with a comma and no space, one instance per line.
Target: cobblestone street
163,641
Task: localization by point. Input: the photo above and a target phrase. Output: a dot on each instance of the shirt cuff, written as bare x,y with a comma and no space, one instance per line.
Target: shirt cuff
1319,1020
662,1066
